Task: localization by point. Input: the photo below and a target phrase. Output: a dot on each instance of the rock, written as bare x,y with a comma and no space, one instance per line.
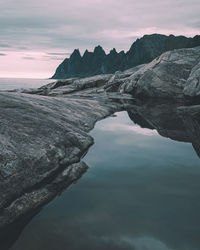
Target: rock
72,86
192,86
119,78
166,76
42,141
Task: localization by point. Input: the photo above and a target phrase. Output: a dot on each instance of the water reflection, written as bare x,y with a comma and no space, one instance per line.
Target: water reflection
179,123
141,192
10,233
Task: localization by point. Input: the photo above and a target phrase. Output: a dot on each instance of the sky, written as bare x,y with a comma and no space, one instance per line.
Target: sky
36,35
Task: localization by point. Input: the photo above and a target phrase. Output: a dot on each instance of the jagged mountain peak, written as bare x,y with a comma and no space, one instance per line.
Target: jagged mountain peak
86,52
76,53
113,51
99,49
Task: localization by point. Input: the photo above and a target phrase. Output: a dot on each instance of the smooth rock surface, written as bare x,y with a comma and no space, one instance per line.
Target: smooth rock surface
71,86
192,87
166,76
42,141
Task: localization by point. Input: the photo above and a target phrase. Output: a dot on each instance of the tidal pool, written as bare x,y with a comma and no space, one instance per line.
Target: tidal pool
141,192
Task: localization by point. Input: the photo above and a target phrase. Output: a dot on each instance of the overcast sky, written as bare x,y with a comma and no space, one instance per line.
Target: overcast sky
36,35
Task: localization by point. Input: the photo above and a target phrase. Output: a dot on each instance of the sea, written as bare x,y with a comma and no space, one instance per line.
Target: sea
18,83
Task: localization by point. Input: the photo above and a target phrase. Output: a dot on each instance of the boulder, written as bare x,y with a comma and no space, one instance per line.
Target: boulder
166,76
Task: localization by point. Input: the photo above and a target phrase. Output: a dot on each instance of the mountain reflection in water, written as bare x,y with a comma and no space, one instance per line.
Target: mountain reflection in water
141,192
171,121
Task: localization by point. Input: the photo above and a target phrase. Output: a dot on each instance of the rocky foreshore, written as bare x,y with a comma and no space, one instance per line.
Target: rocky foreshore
173,75
44,131
42,142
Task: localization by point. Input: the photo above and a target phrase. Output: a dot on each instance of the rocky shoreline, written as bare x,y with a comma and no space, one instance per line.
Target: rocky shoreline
174,75
44,131
42,142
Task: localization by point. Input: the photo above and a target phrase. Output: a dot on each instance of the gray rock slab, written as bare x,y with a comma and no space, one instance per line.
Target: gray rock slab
41,138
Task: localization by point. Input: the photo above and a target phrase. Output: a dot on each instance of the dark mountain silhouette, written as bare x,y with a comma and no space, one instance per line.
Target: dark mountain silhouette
143,50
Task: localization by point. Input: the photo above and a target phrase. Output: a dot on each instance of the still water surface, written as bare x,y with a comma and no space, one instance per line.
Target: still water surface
15,83
141,192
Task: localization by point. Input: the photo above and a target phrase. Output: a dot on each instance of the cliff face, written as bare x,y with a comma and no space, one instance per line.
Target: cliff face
143,50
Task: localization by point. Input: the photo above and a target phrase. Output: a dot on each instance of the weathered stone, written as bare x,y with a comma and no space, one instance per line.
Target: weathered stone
41,140
166,76
192,86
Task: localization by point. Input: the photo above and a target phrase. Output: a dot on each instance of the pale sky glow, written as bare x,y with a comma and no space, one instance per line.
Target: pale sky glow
130,128
36,35
29,64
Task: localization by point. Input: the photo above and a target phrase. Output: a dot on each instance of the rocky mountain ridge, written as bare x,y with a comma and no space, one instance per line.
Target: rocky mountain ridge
143,50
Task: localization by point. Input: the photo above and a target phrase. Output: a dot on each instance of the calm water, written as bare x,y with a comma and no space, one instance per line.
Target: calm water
141,192
15,83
